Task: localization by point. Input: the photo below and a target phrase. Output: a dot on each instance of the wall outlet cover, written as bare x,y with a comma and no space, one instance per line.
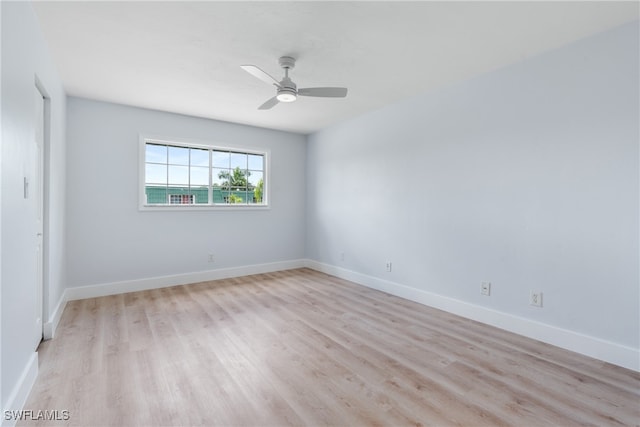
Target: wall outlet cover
485,288
535,298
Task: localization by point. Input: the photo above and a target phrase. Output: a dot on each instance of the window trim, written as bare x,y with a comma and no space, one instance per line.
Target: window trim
193,143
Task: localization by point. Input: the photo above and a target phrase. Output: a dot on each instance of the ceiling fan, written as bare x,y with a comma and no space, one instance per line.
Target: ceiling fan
287,91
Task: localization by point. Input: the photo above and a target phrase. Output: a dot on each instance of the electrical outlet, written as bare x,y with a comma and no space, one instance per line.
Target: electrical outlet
341,256
388,265
212,258
535,298
485,288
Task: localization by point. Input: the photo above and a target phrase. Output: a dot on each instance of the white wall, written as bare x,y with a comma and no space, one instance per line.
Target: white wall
111,241
526,177
2,399
24,60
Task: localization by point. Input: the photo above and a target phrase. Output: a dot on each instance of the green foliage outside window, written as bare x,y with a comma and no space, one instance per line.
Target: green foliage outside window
258,191
235,179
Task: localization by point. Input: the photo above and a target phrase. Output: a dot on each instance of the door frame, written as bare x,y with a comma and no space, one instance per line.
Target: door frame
40,181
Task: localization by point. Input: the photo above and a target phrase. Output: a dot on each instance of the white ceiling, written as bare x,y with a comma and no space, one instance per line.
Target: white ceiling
184,57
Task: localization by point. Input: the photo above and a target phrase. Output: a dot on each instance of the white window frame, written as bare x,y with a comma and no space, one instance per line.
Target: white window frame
191,143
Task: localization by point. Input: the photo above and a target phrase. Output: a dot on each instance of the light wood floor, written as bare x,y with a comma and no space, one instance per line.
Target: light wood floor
303,348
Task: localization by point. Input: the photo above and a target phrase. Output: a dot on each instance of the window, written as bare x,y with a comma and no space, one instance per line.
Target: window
197,175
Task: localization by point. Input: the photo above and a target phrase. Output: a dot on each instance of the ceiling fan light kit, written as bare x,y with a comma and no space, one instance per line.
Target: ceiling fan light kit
285,95
286,89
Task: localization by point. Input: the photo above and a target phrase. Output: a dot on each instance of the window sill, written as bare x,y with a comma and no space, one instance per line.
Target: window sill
220,207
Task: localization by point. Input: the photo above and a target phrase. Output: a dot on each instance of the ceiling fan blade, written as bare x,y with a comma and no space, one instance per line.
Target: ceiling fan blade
326,92
257,72
269,104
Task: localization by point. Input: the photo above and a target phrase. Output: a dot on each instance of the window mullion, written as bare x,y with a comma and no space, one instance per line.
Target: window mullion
210,193
167,182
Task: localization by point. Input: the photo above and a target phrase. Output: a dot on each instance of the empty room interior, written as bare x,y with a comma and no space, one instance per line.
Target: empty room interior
320,213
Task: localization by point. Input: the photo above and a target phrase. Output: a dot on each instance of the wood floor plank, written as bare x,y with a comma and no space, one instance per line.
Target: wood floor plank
300,347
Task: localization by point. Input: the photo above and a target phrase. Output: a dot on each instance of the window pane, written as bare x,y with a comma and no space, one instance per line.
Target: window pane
179,175
201,194
156,174
256,185
199,157
220,196
178,156
238,179
220,159
238,160
226,196
156,153
199,176
256,162
237,197
221,177
243,196
254,179
156,194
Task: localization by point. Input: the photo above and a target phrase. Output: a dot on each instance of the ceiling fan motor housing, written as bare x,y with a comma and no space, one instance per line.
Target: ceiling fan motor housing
288,91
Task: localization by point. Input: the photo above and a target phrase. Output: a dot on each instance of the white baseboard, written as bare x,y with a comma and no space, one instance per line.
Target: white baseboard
616,354
20,392
93,291
49,328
